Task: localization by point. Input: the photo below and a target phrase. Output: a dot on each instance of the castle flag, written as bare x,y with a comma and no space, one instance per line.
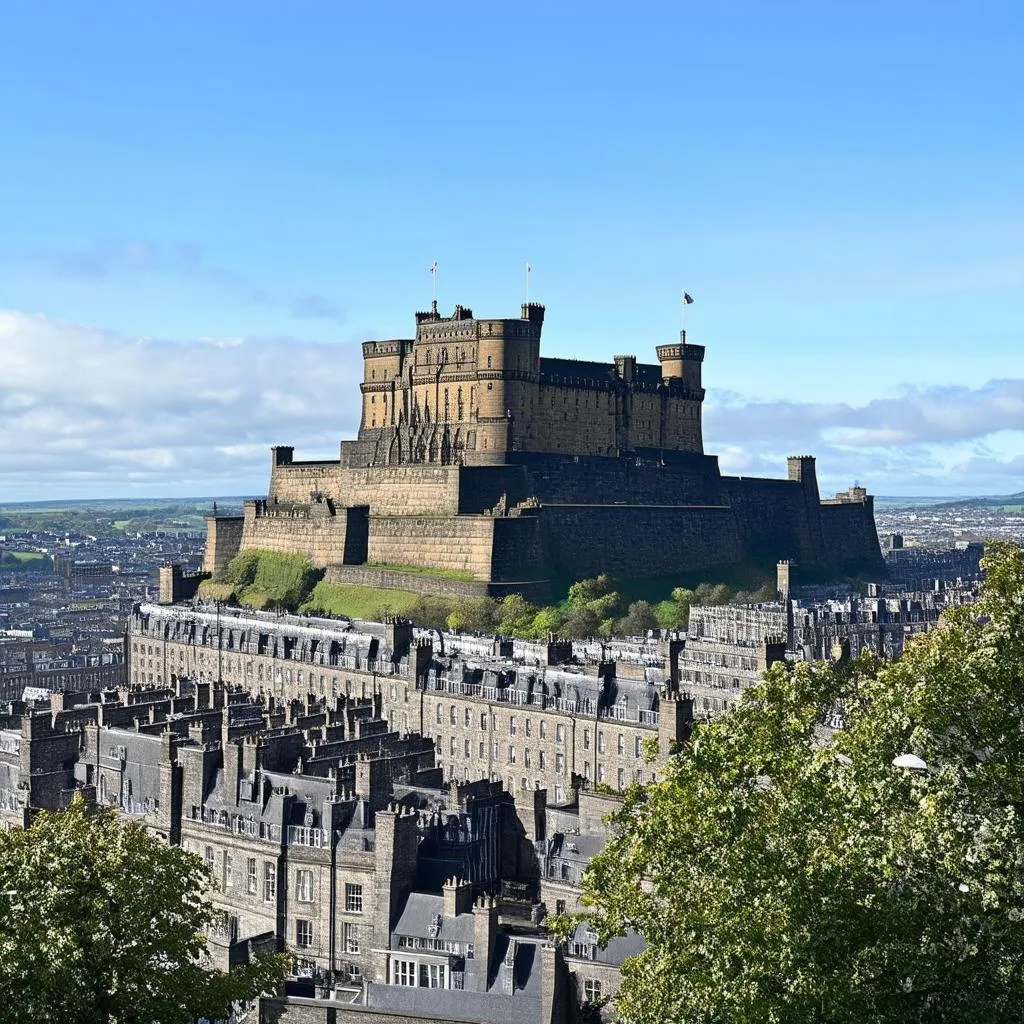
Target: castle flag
687,299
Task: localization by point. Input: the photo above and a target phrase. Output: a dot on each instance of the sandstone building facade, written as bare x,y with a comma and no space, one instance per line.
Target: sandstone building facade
479,456
534,716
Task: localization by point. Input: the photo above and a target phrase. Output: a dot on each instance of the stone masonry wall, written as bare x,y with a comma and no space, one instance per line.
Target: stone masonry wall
584,540
403,490
319,535
851,538
460,543
297,481
223,542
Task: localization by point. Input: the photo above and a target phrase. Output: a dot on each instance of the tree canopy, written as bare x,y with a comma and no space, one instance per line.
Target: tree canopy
102,923
780,873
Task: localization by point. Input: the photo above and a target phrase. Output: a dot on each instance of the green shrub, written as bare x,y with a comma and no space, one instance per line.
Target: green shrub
271,579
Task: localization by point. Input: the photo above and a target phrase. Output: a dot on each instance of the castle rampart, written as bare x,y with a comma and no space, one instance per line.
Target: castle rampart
476,455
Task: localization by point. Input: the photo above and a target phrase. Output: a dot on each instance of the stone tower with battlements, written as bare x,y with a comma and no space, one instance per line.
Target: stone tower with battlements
479,458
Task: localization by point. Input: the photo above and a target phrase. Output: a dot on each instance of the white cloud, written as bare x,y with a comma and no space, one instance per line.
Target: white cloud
943,440
90,412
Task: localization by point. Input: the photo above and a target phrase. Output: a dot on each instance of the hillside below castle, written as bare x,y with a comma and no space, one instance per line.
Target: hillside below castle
478,459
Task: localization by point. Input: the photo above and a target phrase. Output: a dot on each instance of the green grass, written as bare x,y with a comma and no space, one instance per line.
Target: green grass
420,570
216,591
356,602
28,556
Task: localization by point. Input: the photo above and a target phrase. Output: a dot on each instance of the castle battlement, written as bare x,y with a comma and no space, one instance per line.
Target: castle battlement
468,420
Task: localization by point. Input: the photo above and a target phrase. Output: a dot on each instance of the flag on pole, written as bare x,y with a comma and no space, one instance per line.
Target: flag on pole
687,299
528,268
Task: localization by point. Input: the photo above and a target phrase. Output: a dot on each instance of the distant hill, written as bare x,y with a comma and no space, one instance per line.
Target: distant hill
1006,502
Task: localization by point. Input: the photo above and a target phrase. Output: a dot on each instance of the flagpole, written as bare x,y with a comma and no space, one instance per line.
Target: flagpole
433,286
526,290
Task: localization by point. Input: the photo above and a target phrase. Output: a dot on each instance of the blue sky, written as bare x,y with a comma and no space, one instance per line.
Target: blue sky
205,207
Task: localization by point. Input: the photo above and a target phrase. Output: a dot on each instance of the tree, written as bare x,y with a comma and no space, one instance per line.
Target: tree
638,620
102,922
781,877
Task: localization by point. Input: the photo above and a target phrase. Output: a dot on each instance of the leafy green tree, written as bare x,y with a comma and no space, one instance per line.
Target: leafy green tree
638,620
584,591
516,616
779,875
102,923
548,620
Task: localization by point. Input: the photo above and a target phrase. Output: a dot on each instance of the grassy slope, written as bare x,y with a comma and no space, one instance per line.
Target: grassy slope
356,602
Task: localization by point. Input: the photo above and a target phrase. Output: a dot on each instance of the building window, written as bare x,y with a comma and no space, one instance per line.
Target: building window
560,733
639,746
529,729
622,778
403,972
351,937
483,753
559,906
440,711
591,990
586,739
600,773
600,741
622,743
432,976
469,718
452,715
494,751
511,755
303,933
250,875
304,886
483,721
543,729
542,758
353,898
208,857
526,757
512,725
559,764
229,880
269,882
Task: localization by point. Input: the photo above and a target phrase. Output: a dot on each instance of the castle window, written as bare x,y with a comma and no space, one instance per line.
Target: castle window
488,365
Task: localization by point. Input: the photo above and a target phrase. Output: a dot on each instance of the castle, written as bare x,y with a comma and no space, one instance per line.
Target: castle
501,469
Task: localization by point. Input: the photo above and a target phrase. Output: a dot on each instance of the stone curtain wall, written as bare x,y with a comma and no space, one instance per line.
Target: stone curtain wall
403,490
584,540
308,530
456,544
568,479
223,542
851,538
298,481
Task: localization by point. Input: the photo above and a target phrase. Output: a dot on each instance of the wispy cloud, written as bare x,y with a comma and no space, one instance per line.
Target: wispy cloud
110,259
923,440
90,411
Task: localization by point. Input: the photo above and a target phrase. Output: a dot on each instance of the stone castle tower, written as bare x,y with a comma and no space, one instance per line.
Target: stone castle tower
479,457
469,391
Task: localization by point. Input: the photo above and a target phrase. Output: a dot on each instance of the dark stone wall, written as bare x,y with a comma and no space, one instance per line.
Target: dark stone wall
518,550
851,539
568,479
584,540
